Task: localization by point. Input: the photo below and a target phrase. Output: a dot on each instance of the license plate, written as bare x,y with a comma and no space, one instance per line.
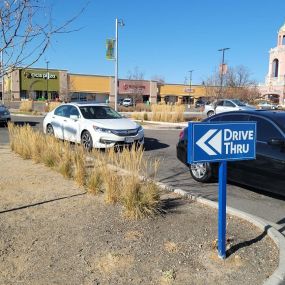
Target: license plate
129,140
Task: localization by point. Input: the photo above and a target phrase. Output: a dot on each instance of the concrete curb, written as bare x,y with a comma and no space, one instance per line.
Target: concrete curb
278,276
26,115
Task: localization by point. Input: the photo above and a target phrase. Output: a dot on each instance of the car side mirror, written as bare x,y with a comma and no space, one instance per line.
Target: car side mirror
74,117
276,142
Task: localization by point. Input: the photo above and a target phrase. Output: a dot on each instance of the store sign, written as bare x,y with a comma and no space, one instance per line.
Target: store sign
40,75
188,90
134,87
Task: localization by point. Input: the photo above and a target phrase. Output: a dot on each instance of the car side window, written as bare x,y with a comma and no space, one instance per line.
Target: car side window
265,129
220,103
228,104
73,111
62,111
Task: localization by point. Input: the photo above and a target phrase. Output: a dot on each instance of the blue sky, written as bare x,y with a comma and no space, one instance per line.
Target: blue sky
167,38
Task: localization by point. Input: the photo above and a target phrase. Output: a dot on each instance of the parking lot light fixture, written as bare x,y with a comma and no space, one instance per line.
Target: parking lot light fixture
121,23
222,71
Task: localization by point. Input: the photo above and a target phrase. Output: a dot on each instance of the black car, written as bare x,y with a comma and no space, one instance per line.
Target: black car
267,171
200,103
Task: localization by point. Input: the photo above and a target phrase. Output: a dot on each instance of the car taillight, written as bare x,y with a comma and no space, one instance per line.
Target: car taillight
181,135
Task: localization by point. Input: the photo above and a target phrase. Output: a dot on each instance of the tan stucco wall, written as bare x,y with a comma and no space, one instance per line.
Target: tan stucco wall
89,83
181,90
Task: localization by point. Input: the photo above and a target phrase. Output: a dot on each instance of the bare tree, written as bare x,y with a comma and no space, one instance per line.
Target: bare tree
136,87
26,30
237,84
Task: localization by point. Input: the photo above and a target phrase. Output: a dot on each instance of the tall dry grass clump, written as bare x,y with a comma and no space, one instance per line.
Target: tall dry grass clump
26,106
167,113
20,140
140,199
79,159
65,165
52,105
95,180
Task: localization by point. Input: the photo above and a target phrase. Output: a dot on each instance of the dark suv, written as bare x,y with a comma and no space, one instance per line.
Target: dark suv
267,171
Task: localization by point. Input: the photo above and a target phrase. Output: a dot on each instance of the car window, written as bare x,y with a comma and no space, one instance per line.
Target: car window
99,112
220,103
228,104
62,111
265,129
73,111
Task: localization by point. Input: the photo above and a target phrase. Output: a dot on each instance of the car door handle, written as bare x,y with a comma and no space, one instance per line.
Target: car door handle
65,120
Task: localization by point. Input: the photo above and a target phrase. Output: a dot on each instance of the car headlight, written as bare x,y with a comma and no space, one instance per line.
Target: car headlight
101,130
140,128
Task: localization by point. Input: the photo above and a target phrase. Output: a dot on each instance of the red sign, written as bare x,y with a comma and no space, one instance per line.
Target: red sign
134,87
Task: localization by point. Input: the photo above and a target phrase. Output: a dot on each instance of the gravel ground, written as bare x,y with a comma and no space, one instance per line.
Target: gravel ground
52,232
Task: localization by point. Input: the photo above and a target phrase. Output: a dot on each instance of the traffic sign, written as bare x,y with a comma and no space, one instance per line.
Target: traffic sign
214,142
221,142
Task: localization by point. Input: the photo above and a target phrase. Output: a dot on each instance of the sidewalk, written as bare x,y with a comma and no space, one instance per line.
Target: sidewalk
55,233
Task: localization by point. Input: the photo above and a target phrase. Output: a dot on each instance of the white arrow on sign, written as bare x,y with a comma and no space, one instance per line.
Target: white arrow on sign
215,142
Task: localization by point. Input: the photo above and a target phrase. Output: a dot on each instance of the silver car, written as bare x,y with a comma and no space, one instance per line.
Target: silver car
226,105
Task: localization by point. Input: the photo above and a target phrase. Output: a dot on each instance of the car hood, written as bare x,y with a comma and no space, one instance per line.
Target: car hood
115,124
246,108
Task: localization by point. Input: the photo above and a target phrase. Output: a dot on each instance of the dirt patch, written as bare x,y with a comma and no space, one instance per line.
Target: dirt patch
54,233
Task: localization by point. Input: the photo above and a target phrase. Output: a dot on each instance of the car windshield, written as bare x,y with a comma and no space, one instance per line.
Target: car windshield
238,102
99,112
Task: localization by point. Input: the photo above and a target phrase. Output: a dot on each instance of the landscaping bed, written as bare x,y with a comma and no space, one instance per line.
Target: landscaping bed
54,232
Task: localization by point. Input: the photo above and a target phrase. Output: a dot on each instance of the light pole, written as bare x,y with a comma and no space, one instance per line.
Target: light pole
121,23
222,68
190,83
2,75
47,77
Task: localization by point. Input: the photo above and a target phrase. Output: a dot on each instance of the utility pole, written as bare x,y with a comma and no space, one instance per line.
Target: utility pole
2,75
222,69
190,84
121,23
47,78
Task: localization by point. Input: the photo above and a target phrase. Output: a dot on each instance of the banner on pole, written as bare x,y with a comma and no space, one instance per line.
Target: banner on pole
110,48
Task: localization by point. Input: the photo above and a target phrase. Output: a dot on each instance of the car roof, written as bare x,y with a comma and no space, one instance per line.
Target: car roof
80,104
278,116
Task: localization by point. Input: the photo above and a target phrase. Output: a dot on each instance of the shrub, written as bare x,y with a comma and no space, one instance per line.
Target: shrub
26,106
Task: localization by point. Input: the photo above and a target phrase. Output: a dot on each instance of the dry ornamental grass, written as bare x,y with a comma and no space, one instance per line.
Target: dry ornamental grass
116,174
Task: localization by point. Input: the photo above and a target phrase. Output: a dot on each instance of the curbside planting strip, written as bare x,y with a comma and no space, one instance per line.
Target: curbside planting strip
278,276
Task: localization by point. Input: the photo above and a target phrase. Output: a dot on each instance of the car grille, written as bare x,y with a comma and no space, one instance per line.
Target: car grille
125,133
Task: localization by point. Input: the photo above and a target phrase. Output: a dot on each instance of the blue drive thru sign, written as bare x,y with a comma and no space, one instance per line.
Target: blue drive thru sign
221,142
214,142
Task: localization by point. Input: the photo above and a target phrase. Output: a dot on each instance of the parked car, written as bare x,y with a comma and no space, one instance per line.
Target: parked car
266,105
225,105
200,103
266,172
92,125
5,115
127,102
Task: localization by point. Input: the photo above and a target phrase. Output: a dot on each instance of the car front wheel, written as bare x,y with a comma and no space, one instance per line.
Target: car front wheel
210,113
201,172
50,130
86,140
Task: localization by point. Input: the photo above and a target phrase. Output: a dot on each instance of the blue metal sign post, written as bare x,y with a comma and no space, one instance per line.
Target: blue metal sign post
221,142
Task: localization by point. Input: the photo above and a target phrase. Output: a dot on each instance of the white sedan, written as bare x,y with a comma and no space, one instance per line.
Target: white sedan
92,125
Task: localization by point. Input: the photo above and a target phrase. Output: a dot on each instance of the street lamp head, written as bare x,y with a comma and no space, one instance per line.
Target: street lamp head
223,49
121,22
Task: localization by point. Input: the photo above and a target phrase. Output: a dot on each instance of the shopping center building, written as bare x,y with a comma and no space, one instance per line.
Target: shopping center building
53,84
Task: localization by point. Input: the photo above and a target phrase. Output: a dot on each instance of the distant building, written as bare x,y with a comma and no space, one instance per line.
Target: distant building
54,84
274,87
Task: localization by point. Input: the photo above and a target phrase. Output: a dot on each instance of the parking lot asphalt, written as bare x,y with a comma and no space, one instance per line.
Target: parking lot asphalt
161,143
